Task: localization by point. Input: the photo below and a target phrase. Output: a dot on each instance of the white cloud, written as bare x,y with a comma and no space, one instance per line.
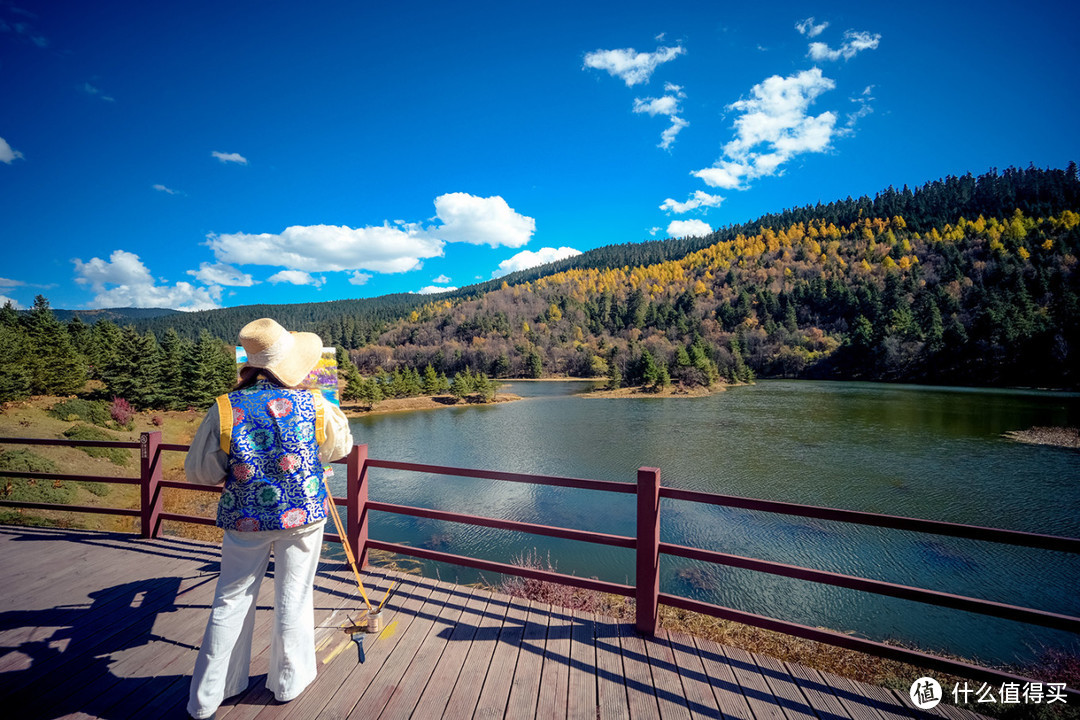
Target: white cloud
123,281
434,290
161,188
329,248
653,231
23,28
480,221
4,300
296,277
527,259
221,274
688,228
809,29
629,65
854,42
385,249
7,153
442,279
665,105
230,157
8,283
91,90
699,199
863,108
773,128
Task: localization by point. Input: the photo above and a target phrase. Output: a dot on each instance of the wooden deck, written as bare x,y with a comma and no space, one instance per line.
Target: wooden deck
101,625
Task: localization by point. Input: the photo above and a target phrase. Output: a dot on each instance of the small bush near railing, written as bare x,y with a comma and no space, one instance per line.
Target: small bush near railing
122,412
95,412
31,490
558,594
117,456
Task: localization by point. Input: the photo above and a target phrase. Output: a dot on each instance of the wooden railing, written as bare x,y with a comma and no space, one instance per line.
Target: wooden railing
646,544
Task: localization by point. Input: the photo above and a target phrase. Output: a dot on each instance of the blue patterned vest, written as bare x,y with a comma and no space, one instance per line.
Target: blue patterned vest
272,435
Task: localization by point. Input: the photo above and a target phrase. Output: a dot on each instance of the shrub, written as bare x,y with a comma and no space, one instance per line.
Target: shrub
117,456
90,411
122,412
31,489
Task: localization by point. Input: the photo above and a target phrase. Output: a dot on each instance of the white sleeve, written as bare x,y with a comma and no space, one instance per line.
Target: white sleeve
339,439
206,463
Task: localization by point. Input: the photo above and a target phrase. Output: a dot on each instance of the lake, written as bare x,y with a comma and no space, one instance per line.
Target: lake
927,452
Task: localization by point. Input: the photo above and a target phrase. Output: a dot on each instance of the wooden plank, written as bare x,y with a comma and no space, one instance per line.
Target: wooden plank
729,696
695,680
755,689
612,701
435,695
817,692
670,694
386,679
525,688
581,701
412,684
113,679
886,704
784,688
554,690
856,705
500,673
461,702
640,692
341,681
85,671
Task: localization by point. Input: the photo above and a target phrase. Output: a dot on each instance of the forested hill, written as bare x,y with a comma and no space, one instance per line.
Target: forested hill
988,297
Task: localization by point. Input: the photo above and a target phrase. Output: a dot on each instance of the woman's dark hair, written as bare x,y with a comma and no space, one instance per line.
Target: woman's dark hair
250,375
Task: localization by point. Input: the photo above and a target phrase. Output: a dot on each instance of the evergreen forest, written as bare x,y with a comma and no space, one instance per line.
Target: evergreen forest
966,280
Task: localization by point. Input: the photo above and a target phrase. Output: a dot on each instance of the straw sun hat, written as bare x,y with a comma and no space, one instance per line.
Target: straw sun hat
290,356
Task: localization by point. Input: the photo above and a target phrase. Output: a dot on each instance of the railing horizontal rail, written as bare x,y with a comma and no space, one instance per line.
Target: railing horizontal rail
174,446
549,530
896,522
581,483
73,478
181,485
498,567
71,443
830,637
179,517
134,512
906,592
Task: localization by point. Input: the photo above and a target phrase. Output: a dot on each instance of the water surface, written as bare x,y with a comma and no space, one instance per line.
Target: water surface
934,453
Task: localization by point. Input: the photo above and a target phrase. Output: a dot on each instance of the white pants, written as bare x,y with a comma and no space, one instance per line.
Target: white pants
224,663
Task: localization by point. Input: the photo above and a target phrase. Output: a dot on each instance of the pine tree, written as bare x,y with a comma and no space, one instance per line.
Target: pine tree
54,365
174,351
431,381
208,372
14,373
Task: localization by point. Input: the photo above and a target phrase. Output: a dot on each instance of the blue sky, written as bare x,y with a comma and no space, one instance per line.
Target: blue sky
213,154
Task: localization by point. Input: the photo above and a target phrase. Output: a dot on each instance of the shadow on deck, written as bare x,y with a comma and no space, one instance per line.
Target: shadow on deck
103,625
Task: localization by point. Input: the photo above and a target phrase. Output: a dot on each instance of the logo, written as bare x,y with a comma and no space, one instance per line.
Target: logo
925,693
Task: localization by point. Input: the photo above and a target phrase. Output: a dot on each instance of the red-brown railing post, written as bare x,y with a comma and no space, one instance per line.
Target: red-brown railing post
647,586
150,474
356,492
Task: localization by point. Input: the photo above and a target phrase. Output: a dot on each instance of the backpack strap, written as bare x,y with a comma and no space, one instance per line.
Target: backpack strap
224,408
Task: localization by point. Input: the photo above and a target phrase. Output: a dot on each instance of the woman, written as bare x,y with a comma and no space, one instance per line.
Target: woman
267,441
